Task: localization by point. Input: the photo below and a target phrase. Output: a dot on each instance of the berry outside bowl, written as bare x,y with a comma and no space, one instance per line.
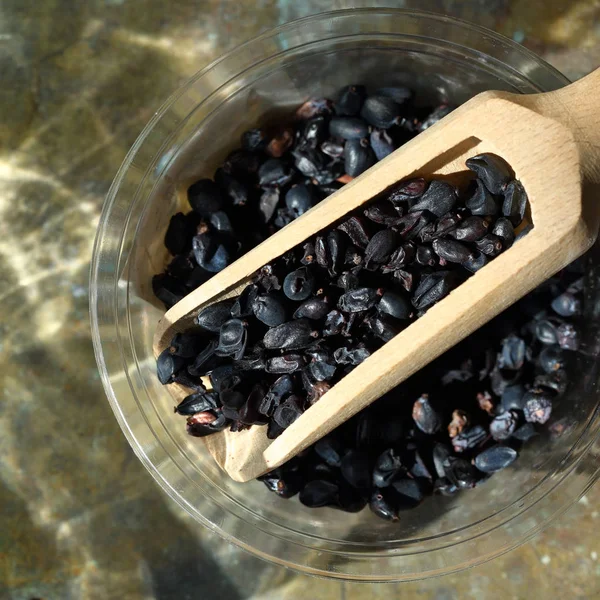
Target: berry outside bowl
442,59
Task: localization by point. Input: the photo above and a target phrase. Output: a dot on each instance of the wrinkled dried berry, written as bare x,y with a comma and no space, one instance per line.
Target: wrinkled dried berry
537,406
358,300
469,438
387,467
356,230
567,336
512,398
490,244
381,245
504,229
232,339
168,365
452,251
460,472
459,421
515,202
504,425
345,356
481,202
270,310
433,288
493,172
274,172
211,253
551,359
243,305
381,143
440,198
470,230
425,416
290,336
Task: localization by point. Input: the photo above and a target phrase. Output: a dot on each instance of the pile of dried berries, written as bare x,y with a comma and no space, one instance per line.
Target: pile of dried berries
320,310
281,172
450,426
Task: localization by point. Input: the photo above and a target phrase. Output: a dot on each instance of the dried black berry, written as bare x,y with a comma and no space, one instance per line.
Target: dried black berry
387,467
356,469
537,406
381,143
452,251
427,419
470,230
355,356
504,229
380,111
300,198
433,288
358,157
168,365
186,345
319,493
440,198
495,459
270,309
515,202
288,411
492,170
232,339
299,284
469,438
205,197
566,305
381,246
358,300
395,305
243,305
504,425
481,202
313,308
348,128
351,100
197,403
382,504
290,336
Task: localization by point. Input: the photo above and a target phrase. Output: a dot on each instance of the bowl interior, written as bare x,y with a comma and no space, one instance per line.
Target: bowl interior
270,91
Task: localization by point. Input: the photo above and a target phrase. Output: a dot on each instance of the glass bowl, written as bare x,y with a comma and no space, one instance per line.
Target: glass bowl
442,59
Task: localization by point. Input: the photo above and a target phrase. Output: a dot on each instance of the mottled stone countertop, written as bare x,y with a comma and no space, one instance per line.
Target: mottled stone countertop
79,81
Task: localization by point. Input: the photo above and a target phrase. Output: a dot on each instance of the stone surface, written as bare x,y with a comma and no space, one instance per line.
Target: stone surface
80,80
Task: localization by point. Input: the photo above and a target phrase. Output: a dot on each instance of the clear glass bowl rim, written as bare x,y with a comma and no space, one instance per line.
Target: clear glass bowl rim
349,565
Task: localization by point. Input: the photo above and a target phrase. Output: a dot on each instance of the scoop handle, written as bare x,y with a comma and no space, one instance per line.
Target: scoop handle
576,107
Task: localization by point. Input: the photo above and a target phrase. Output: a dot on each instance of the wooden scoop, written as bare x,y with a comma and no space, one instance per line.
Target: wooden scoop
552,141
